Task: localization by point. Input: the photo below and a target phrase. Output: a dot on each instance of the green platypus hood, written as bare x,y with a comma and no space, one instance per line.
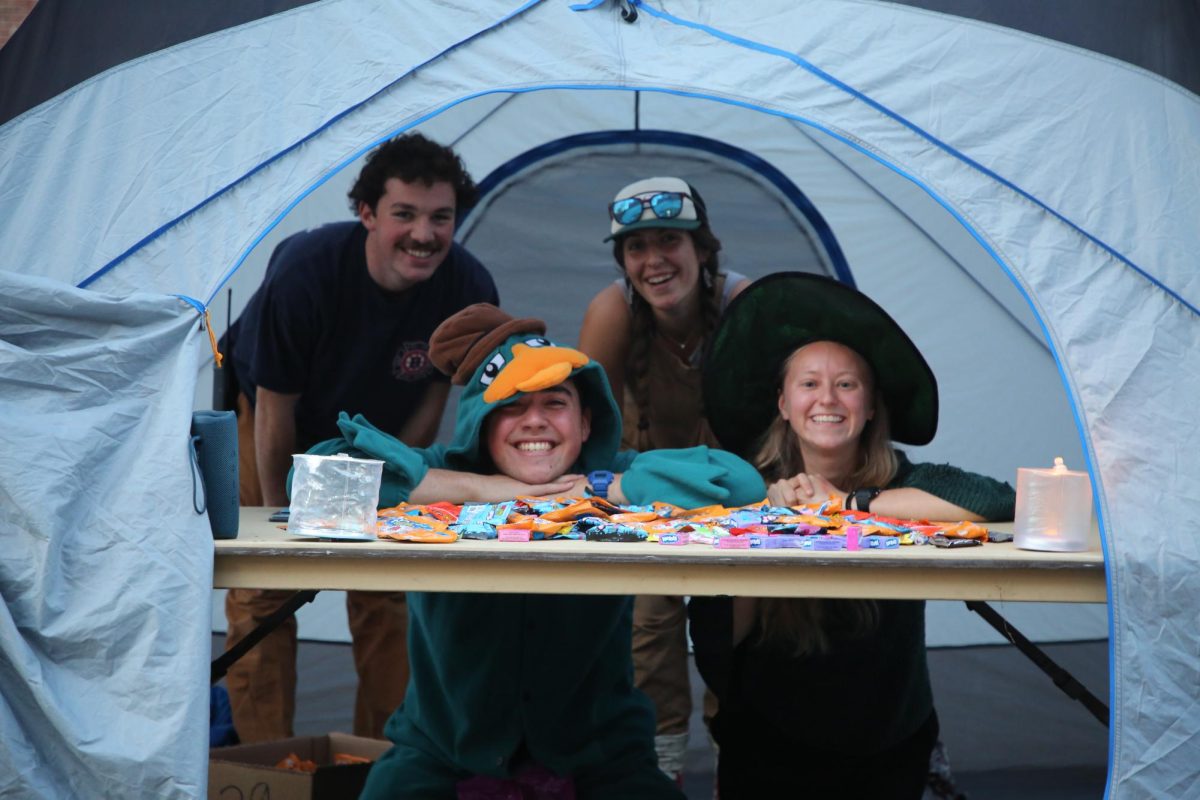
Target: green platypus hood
497,358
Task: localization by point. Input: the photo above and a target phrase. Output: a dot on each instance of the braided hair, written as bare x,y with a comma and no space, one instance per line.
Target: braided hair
644,328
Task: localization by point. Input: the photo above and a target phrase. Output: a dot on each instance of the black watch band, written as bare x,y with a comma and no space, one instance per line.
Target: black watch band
863,498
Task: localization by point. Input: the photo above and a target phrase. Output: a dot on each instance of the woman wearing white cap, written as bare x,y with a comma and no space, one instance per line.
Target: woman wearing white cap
648,330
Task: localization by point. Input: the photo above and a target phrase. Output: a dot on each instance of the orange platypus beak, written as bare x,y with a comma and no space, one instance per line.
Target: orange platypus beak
533,369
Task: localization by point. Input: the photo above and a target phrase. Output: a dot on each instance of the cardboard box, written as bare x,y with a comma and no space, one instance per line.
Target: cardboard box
247,771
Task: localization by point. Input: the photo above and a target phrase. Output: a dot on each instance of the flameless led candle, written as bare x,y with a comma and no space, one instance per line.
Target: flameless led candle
1054,509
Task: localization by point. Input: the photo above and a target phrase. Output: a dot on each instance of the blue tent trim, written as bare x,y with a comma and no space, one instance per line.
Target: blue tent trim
825,76
267,162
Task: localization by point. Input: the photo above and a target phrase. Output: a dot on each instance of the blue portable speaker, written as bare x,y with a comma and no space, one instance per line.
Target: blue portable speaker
215,460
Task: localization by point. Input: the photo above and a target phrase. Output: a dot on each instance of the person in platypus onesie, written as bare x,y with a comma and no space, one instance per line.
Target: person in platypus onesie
512,690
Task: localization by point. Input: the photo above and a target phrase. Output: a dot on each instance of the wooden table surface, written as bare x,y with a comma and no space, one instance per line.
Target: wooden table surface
266,556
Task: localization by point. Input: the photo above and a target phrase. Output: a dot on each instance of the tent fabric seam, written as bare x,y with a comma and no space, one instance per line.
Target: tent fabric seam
918,130
294,145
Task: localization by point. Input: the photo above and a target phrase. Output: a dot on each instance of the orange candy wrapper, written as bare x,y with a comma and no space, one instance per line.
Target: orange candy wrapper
418,535
703,511
634,516
296,763
400,525
587,507
540,525
342,759
964,530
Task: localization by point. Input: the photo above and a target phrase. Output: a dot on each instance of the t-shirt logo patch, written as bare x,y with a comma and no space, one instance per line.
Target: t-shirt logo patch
412,362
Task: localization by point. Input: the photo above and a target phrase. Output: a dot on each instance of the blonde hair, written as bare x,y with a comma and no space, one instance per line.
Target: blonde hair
779,455
803,626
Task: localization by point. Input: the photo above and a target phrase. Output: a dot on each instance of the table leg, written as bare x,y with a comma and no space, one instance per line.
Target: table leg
1062,679
222,663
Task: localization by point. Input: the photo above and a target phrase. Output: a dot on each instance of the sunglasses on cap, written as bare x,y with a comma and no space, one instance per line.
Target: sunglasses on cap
665,205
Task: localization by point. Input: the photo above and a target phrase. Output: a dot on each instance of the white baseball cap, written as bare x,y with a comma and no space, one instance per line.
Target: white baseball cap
661,202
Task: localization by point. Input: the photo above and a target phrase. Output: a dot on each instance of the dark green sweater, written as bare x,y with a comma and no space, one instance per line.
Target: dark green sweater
987,497
873,690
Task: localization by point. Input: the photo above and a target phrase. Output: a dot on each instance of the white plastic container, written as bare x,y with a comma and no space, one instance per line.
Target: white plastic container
335,497
1054,509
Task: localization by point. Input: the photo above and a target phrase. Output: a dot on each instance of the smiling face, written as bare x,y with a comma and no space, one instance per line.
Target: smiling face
409,232
538,437
826,398
663,266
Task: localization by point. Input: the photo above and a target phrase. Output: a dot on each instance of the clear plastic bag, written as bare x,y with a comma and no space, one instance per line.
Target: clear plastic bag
335,497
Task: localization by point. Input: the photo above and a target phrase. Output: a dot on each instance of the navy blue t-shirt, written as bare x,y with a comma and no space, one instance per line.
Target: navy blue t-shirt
320,327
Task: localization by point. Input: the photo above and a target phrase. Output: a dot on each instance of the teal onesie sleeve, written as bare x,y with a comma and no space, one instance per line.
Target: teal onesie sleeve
690,477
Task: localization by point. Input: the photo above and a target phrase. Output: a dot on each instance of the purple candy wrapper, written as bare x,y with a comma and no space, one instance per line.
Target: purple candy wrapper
733,542
825,542
776,541
877,541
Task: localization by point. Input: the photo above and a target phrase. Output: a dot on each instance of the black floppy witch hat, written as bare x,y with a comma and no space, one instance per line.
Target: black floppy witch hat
786,310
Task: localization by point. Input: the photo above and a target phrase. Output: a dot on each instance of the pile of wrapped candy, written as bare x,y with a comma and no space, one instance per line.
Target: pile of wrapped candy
297,764
827,526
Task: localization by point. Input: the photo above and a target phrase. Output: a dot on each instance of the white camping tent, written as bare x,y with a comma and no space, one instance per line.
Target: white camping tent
544,192
1027,192
548,199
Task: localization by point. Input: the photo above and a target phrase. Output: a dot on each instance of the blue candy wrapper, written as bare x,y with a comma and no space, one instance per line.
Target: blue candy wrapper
612,532
489,513
474,530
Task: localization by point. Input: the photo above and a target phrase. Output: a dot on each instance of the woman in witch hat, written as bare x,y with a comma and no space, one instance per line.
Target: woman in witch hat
812,382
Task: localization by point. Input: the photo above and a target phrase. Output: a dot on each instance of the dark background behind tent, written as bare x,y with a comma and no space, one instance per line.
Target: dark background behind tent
72,40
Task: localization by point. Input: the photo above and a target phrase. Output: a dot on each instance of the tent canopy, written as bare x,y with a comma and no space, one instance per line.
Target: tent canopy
1031,223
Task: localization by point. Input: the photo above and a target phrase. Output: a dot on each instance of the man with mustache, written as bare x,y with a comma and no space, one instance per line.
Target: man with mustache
342,323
